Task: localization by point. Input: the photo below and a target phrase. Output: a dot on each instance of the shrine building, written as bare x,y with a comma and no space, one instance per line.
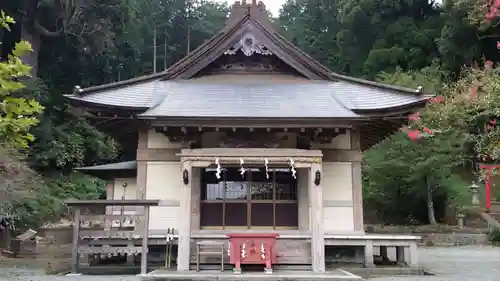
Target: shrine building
248,138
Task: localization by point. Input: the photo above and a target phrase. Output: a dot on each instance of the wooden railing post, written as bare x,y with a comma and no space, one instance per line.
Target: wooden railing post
76,240
145,235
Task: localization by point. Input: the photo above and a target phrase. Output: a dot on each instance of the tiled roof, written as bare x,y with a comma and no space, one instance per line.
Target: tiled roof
248,100
363,97
308,99
139,95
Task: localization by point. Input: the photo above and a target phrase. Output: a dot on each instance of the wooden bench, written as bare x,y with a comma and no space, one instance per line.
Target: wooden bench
210,248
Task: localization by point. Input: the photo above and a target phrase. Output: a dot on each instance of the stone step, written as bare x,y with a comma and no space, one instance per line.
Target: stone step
495,207
495,215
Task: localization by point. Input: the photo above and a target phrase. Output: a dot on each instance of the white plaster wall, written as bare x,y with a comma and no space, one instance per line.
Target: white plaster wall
337,195
124,188
164,183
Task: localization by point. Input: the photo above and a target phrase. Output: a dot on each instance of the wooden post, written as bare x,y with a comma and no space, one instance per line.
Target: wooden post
488,189
400,255
184,241
317,228
76,240
369,261
413,254
145,236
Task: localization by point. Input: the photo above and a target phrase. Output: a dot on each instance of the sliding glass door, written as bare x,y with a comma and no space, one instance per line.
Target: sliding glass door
254,200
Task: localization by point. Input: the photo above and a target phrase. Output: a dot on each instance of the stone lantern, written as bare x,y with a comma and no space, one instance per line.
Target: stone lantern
460,219
475,196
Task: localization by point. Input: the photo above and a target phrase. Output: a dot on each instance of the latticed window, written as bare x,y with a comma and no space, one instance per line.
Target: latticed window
254,200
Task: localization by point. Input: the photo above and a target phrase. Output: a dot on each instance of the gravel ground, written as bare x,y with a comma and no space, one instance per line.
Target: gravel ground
448,264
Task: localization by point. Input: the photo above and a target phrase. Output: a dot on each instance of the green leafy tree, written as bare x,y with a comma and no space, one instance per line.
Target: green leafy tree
17,114
472,108
400,172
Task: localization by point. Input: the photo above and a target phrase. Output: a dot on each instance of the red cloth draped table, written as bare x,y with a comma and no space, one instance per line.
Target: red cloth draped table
250,248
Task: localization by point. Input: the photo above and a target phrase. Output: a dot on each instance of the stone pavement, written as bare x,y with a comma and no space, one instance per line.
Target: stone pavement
470,263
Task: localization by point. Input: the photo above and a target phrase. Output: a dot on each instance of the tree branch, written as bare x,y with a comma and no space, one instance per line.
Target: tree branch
45,32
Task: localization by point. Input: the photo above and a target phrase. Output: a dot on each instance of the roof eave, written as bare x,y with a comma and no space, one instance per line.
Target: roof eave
78,101
373,112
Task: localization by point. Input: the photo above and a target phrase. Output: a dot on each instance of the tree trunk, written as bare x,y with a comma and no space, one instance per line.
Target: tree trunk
31,58
430,203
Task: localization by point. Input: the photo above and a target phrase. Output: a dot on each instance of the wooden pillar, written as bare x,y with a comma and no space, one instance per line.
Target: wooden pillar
488,189
400,255
184,242
195,196
383,253
317,228
357,184
76,241
110,192
145,238
413,254
142,174
303,196
369,260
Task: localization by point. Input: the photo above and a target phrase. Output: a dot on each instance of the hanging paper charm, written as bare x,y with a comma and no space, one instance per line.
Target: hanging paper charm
242,169
266,162
292,168
218,170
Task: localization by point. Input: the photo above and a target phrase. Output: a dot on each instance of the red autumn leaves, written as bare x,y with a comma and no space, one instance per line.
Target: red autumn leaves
493,10
414,135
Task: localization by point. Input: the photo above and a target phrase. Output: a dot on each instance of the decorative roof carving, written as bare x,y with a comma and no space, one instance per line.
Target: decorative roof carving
249,46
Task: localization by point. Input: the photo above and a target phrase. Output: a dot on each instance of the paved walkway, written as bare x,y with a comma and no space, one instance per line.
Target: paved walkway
449,264
471,263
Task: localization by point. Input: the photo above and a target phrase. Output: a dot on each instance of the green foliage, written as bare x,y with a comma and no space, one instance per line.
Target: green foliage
398,174
431,76
48,204
494,236
471,109
17,114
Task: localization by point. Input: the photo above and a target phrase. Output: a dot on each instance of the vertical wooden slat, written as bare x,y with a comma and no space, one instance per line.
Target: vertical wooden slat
145,236
76,240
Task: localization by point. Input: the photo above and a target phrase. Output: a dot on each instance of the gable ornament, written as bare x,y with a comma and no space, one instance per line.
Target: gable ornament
249,46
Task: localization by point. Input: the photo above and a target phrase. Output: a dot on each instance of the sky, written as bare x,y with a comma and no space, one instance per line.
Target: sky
272,5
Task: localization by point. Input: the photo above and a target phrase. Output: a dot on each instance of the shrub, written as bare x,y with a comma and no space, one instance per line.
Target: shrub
494,236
